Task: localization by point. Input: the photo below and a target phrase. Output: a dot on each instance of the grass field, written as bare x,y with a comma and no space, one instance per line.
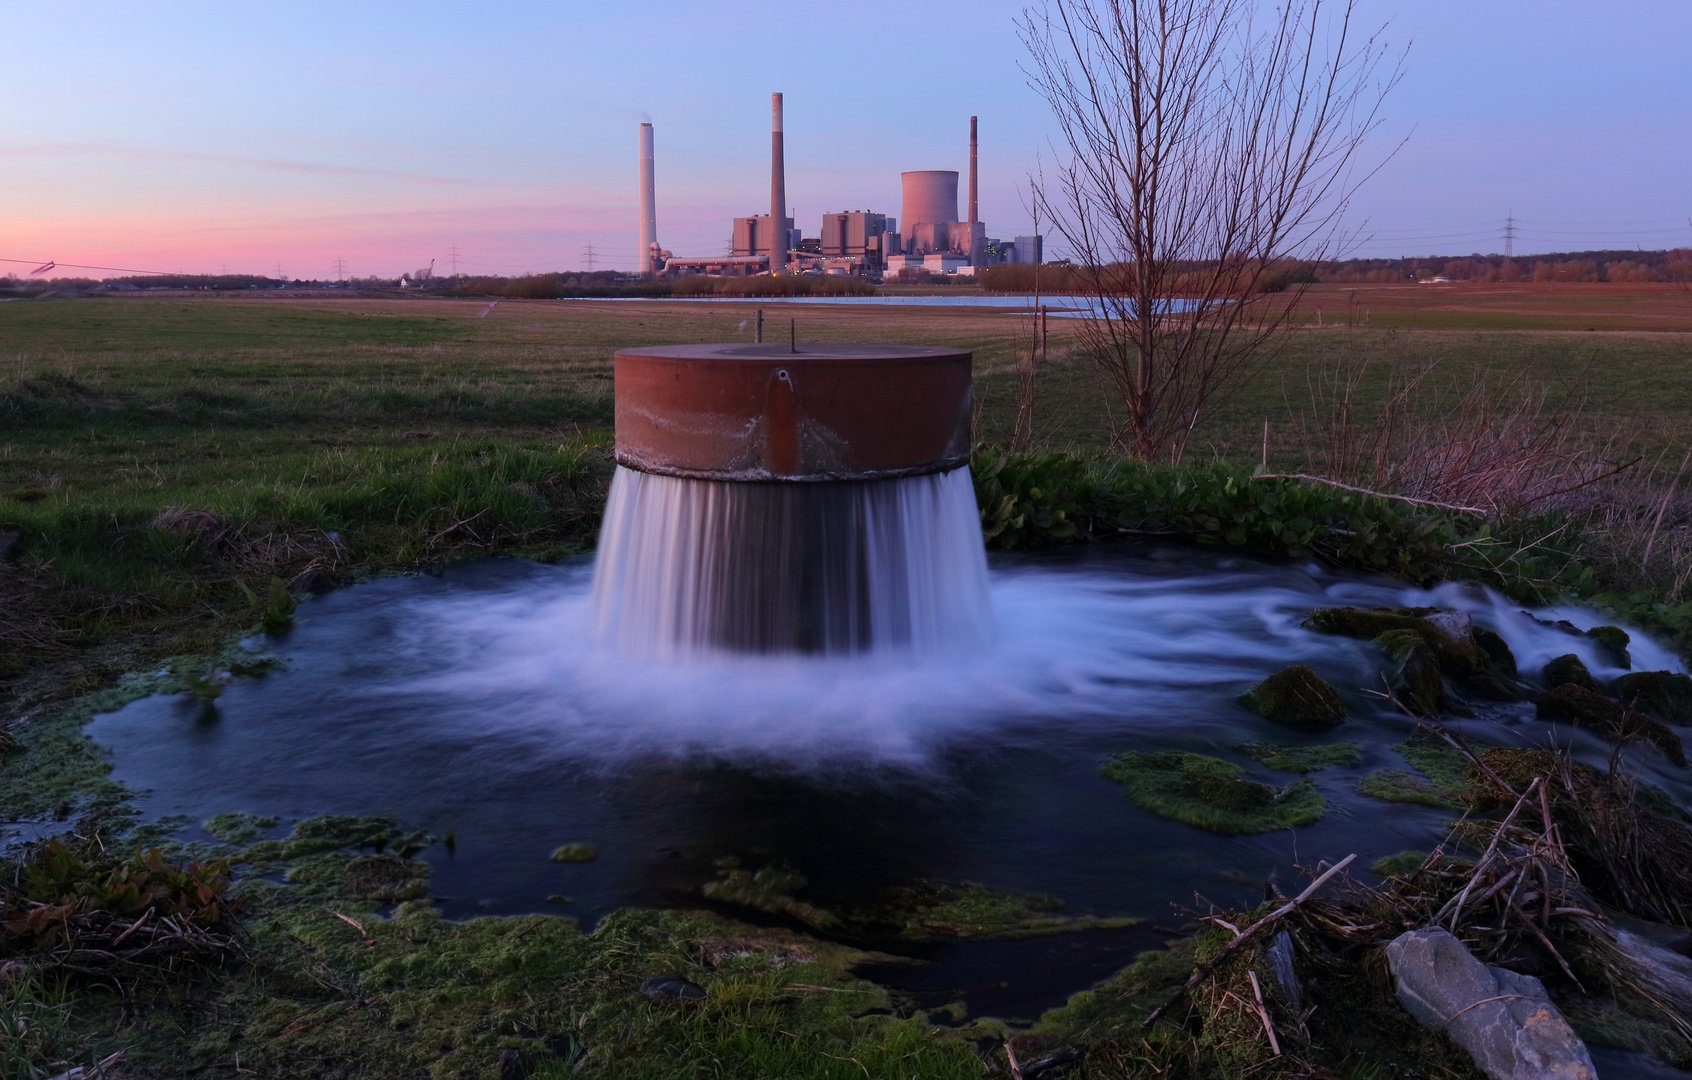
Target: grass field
162,459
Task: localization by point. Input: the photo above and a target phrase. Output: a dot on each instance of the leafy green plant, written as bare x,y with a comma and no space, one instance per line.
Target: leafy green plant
1028,500
60,894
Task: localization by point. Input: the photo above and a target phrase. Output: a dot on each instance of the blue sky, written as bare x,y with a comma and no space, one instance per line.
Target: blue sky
198,136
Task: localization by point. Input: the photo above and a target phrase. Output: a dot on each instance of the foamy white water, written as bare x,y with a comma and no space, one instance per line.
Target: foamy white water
692,567
1157,648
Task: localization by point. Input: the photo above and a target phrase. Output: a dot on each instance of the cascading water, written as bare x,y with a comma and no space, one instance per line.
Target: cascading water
693,566
773,500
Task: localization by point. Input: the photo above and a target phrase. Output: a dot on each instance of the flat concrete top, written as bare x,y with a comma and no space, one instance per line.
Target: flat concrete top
778,352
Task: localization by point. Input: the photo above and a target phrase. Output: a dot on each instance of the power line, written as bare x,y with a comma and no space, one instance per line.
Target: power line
453,255
589,254
340,268
80,266
1510,236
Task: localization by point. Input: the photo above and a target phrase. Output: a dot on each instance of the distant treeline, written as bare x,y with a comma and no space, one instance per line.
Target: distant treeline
607,284
1620,266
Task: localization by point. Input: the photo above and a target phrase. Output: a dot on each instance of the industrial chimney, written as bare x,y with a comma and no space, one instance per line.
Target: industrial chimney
648,203
973,216
778,190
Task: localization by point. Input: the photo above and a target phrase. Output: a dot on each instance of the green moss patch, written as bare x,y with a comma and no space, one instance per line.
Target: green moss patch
1210,793
1441,778
235,827
1399,864
769,889
1302,759
932,910
1298,696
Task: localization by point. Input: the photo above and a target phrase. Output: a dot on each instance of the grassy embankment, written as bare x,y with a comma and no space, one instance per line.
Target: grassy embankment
163,459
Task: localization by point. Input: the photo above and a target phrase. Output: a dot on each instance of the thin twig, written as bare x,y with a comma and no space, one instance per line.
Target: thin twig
1369,491
1263,1014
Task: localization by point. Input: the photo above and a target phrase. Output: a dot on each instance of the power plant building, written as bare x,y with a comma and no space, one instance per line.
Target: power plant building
858,242
752,235
856,234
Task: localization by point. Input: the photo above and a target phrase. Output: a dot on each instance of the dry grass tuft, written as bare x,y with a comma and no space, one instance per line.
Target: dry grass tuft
201,525
1500,443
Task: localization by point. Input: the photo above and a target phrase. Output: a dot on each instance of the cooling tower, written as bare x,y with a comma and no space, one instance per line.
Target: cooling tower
778,189
930,198
648,202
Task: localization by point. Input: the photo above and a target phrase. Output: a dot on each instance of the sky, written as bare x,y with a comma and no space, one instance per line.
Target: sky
500,138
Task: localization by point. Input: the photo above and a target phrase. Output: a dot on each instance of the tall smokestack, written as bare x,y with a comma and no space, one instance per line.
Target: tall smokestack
648,202
778,190
973,216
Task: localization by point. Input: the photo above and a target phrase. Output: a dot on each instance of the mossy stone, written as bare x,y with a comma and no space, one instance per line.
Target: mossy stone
574,853
1298,696
1667,695
1567,670
1414,676
1572,705
1210,793
1458,655
1301,759
1612,644
1497,650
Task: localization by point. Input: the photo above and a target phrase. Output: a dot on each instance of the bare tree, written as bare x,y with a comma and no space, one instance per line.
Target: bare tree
1205,157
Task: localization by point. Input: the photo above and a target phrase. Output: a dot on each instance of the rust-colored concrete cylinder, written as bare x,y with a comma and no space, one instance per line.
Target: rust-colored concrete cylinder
767,413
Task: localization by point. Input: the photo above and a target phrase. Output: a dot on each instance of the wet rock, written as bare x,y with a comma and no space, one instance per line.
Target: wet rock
1666,695
1298,696
574,853
515,1065
1452,641
1612,644
1567,670
1572,705
669,989
1453,624
1504,1020
1497,650
1414,677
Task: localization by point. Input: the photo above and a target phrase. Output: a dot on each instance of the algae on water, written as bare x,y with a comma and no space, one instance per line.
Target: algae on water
1210,793
574,853
236,827
937,909
1301,759
769,889
1440,780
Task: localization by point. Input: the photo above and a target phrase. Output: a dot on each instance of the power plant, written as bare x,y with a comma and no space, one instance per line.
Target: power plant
859,243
